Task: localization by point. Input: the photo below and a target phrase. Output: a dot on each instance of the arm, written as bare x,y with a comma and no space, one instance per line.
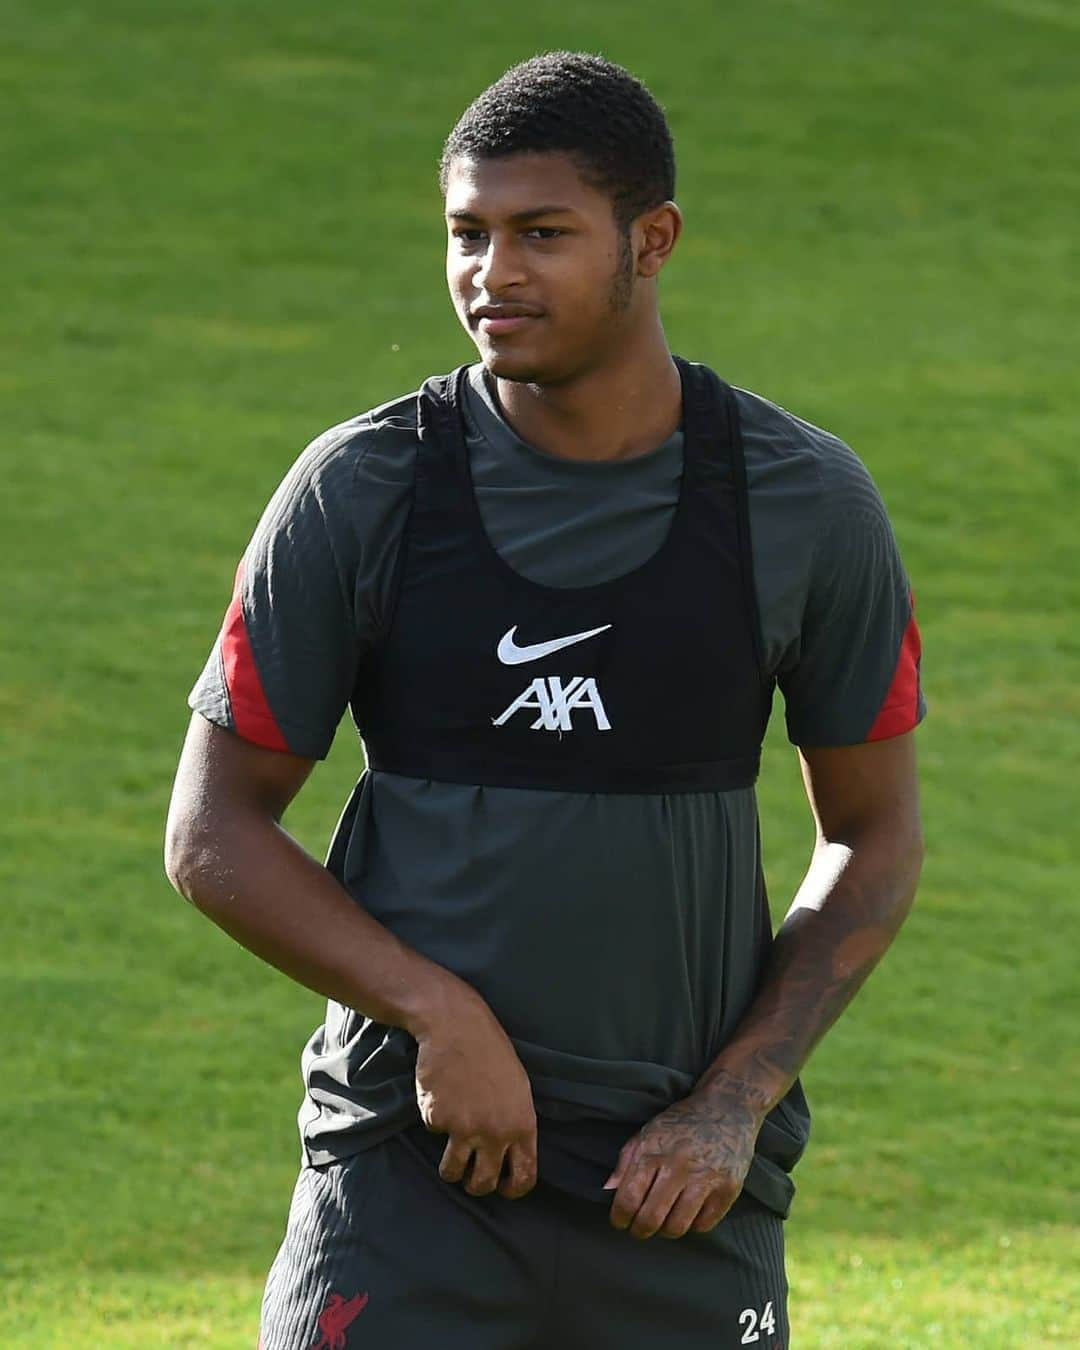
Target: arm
856,894
225,850
853,899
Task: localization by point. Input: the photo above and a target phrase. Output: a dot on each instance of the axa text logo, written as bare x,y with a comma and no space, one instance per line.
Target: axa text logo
555,701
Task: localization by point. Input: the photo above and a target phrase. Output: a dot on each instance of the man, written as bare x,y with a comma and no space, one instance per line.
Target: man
556,590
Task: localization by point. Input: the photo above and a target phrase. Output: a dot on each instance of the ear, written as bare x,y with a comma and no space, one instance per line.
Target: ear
655,233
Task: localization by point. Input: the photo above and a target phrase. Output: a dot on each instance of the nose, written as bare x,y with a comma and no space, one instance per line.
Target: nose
500,267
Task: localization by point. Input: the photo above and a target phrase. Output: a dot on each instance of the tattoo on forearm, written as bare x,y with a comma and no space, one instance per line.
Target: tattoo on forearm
819,959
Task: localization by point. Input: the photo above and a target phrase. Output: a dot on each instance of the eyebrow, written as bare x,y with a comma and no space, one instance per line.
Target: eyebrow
518,218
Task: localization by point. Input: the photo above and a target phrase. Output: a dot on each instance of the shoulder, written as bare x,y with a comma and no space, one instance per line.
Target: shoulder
814,511
796,468
351,473
379,443
778,442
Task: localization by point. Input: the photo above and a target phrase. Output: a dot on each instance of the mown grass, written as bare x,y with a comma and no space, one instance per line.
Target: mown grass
221,235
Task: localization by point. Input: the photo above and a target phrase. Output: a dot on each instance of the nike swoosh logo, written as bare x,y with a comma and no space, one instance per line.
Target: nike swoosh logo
510,654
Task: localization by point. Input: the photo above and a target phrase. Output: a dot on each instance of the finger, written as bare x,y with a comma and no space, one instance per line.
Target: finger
632,1191
666,1187
627,1154
455,1159
521,1170
714,1209
486,1167
684,1211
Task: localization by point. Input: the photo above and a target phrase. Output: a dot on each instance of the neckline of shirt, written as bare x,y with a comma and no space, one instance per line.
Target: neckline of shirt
486,418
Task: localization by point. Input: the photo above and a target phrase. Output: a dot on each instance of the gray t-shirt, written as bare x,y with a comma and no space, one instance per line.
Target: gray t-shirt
618,937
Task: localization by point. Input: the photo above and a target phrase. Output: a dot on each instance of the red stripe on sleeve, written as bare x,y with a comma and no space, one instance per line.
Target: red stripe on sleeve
900,710
252,718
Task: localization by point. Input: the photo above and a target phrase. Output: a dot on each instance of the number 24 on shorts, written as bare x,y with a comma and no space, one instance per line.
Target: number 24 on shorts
753,1324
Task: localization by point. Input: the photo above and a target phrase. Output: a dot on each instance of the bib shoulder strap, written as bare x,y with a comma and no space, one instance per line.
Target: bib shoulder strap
438,409
438,432
713,428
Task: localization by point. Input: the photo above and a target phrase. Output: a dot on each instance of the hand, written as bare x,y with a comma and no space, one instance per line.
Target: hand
684,1169
471,1085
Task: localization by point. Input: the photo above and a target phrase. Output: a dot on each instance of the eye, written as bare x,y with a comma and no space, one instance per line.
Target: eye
544,232
465,236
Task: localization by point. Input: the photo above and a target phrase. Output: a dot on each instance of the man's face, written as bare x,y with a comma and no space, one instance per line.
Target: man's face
541,276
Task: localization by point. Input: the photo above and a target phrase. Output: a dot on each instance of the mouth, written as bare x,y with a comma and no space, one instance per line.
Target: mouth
495,320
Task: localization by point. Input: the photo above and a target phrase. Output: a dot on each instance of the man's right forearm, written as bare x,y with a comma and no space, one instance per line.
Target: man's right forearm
256,882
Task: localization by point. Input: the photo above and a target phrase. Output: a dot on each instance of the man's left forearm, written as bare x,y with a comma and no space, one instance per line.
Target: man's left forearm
849,908
684,1168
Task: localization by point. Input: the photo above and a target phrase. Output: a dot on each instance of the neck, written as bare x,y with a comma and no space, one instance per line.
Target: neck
625,407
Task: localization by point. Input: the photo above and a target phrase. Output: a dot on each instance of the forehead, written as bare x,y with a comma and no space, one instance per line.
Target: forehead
511,185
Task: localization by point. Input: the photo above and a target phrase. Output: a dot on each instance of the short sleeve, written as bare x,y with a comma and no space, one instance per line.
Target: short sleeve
857,673
305,608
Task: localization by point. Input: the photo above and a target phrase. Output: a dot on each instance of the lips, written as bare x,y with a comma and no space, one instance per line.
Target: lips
498,319
493,326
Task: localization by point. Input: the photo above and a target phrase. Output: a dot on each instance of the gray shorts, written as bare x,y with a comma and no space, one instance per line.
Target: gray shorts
381,1252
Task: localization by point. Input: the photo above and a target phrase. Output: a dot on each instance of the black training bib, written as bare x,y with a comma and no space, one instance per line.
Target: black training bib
650,682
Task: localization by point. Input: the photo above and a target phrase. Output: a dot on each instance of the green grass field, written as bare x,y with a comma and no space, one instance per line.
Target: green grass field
221,234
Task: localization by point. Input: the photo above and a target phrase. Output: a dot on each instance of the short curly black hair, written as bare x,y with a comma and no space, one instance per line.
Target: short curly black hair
580,105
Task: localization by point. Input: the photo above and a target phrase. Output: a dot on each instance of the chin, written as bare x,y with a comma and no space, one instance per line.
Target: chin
516,369
527,368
